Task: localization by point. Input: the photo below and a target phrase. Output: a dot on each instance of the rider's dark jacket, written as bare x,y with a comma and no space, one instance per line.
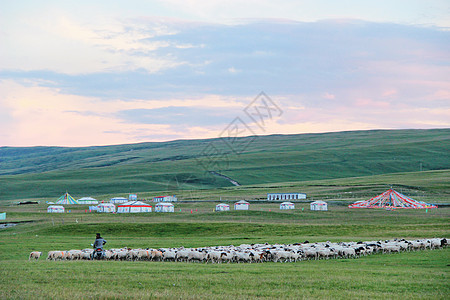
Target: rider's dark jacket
99,243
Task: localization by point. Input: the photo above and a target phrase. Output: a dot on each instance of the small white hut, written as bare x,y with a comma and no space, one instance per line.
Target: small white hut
106,208
164,207
319,205
222,207
55,209
117,200
134,207
287,205
87,200
241,205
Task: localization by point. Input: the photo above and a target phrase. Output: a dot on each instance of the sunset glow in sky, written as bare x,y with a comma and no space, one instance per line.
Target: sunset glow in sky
79,73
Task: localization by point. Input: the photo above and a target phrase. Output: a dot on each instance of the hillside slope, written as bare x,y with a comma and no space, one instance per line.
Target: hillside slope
185,164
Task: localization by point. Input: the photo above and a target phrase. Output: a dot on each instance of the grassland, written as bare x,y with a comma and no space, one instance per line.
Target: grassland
428,186
416,275
182,165
338,167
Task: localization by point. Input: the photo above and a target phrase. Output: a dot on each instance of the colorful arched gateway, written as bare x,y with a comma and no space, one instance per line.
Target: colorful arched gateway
391,199
66,199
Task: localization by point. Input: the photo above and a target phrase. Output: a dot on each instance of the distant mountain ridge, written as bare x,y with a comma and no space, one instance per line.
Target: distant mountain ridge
187,164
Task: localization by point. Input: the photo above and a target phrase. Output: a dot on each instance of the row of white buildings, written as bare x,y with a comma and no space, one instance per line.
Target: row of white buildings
141,207
132,205
244,205
127,207
133,197
67,199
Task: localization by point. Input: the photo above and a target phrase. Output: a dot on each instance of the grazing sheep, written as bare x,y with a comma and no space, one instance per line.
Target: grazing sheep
143,255
242,257
214,256
59,255
348,253
391,248
169,255
226,257
254,253
121,255
156,255
197,256
281,256
35,255
75,254
182,255
86,255
311,253
132,255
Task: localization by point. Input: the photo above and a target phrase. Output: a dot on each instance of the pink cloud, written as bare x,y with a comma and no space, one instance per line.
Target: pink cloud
44,116
369,103
37,115
328,96
390,92
441,95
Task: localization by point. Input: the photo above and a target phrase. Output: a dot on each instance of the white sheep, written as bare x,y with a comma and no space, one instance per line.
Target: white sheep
214,256
75,254
169,255
35,255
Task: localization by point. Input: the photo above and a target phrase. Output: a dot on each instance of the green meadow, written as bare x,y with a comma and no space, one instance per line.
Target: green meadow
171,167
339,168
412,275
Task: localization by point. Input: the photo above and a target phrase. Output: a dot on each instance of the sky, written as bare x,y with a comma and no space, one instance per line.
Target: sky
82,73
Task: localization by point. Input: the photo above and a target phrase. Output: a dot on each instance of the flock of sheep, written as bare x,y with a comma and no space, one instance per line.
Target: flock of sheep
254,253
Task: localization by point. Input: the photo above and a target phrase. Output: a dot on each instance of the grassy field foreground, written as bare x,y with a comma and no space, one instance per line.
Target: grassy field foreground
413,275
398,276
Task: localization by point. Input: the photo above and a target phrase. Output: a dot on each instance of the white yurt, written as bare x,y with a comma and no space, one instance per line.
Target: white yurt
106,208
116,200
241,205
134,207
164,207
87,200
287,205
55,209
222,207
319,205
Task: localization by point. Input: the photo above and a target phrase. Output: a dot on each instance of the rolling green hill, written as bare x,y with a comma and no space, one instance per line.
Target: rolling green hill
186,164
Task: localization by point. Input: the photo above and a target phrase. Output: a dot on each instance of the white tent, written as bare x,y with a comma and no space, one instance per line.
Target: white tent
222,207
287,205
241,205
134,207
87,200
106,208
118,200
55,209
319,205
164,207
